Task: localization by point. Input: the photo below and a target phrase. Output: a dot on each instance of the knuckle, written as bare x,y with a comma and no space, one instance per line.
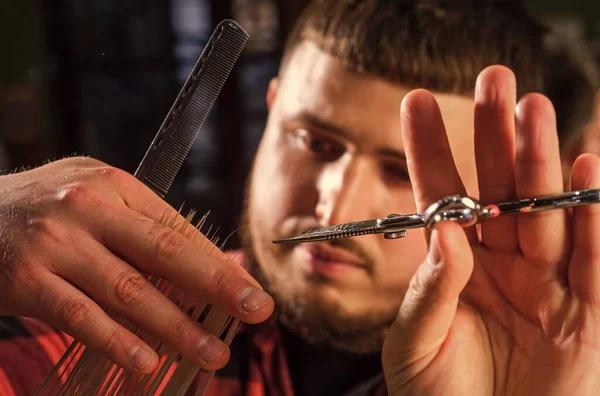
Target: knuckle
74,313
416,286
113,174
586,252
42,227
111,344
130,289
167,244
42,234
220,279
78,194
418,283
534,158
422,284
184,329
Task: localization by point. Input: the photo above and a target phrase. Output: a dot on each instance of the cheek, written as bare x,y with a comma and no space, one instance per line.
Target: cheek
284,185
266,198
281,186
399,258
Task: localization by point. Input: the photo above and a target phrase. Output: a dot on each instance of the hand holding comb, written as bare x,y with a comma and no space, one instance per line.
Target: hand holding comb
82,371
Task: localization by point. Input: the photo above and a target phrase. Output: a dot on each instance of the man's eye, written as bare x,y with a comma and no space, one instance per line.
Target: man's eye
318,144
396,171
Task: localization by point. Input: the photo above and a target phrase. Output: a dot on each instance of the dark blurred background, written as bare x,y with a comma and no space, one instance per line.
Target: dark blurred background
96,77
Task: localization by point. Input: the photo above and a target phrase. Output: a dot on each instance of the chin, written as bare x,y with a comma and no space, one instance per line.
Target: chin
345,302
320,310
325,324
322,315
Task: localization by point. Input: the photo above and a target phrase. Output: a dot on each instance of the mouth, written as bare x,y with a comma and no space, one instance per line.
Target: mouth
329,261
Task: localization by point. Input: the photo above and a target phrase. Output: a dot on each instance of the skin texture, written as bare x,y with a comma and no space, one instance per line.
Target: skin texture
77,233
513,310
332,153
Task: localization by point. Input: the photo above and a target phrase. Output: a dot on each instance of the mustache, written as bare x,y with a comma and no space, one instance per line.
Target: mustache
295,226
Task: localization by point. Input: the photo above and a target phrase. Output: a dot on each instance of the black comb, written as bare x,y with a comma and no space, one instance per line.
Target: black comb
195,100
157,170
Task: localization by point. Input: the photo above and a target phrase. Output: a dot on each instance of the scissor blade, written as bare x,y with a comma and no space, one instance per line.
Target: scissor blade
336,231
560,201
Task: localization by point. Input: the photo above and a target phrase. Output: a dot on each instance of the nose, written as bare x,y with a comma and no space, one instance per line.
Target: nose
344,189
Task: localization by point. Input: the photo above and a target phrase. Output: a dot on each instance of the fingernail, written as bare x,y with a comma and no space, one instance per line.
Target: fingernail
252,299
434,256
209,348
141,356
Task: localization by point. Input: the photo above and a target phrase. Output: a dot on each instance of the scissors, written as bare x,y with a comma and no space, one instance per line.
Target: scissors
465,210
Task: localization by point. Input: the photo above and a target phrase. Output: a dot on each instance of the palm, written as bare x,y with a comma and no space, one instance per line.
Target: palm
543,334
463,365
528,320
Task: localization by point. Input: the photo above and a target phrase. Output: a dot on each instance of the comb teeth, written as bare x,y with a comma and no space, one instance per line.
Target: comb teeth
189,111
83,371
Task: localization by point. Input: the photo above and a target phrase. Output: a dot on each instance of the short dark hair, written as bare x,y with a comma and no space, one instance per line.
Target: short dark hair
441,45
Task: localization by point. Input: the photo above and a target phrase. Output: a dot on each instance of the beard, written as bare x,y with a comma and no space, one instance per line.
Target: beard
323,323
317,321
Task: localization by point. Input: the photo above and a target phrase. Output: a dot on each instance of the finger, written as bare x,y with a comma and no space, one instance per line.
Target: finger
430,303
159,250
150,206
542,235
69,310
122,289
584,266
433,173
495,101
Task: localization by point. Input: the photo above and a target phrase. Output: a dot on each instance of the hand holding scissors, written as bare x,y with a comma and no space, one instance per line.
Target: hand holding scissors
515,309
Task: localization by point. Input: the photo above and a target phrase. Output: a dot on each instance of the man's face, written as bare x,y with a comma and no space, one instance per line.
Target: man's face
332,153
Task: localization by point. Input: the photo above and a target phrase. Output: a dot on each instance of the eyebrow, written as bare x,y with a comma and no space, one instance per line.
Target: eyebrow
314,120
388,152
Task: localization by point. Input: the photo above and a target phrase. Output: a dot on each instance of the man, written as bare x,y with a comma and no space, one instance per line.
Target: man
335,150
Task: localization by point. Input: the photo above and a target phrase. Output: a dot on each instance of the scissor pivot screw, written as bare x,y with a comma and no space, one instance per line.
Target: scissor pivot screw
395,235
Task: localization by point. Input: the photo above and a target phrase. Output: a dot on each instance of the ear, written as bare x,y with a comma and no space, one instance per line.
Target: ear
272,91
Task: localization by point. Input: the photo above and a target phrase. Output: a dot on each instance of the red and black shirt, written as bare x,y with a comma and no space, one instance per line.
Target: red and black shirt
259,364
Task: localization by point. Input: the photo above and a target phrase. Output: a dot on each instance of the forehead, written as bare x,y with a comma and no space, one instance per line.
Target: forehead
317,83
365,106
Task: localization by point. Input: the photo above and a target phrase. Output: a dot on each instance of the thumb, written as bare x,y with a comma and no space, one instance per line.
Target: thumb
430,303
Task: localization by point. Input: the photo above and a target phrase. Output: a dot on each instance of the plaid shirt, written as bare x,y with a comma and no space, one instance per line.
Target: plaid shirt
29,349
